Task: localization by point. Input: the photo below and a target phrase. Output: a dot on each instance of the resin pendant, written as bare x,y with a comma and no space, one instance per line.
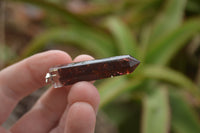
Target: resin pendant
91,70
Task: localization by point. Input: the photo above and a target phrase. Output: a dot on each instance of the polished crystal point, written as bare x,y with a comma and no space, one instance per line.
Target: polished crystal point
91,70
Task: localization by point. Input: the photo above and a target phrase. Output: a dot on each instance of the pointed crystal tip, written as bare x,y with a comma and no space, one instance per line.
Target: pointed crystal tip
133,62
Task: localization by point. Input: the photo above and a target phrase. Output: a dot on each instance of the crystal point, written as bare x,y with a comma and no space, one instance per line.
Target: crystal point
133,62
92,70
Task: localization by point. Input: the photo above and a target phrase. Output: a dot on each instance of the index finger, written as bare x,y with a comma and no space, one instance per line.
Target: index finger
21,79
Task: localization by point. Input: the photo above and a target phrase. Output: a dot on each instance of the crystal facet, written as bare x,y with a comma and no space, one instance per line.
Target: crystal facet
91,70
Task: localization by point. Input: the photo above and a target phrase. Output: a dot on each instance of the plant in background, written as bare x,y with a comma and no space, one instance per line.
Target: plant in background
152,100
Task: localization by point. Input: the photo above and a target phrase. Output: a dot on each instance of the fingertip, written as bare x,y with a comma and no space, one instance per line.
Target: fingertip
83,57
84,92
81,118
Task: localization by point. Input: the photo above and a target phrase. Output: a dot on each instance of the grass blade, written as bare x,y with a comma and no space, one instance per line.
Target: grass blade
156,112
123,37
95,42
170,45
172,76
170,18
112,88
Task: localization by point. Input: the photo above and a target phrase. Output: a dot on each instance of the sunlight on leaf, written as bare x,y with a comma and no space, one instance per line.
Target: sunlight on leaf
156,111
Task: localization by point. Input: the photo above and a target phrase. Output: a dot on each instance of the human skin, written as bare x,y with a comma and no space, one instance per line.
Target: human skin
70,109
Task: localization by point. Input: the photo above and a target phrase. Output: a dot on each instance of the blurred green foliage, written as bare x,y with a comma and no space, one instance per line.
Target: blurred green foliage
153,98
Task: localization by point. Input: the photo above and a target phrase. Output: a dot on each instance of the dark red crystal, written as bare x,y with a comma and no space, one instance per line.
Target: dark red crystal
96,69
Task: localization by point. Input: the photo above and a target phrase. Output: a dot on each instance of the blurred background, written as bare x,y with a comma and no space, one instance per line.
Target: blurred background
161,96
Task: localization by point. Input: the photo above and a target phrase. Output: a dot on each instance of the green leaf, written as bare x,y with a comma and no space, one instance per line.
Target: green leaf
144,40
169,75
170,18
123,37
164,50
184,118
112,88
95,42
156,112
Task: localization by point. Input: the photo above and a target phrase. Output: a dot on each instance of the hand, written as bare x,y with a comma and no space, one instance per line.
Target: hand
70,109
